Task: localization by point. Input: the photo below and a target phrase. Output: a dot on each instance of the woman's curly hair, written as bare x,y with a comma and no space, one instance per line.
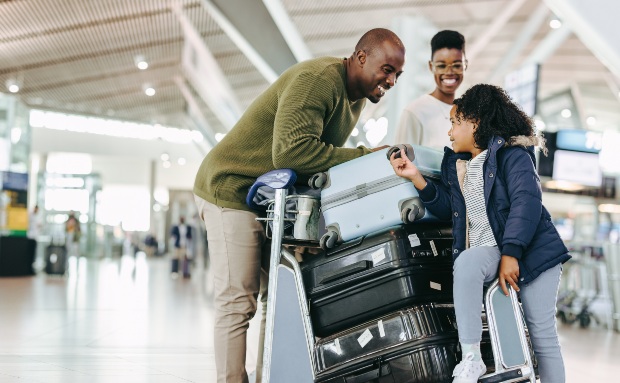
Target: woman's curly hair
494,113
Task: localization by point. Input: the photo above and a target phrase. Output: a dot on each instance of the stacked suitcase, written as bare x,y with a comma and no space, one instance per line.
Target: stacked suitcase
380,296
383,307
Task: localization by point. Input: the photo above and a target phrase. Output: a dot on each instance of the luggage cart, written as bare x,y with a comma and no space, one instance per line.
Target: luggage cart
512,352
289,339
289,336
583,287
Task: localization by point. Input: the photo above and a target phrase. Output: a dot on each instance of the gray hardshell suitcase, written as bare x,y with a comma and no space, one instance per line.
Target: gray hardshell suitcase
414,345
364,195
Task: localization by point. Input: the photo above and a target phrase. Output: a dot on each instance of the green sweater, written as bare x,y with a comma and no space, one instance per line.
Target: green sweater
300,122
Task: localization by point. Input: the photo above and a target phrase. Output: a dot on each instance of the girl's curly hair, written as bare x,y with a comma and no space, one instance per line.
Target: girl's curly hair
491,108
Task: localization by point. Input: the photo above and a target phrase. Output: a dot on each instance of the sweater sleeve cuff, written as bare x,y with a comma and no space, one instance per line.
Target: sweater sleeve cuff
364,149
428,193
512,250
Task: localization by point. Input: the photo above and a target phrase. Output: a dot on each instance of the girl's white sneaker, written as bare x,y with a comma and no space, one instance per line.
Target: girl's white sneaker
468,371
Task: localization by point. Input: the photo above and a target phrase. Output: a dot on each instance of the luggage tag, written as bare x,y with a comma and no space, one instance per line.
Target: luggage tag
377,256
414,241
381,329
364,338
434,248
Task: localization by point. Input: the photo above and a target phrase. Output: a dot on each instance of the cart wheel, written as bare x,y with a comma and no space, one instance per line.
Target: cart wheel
317,181
329,239
562,316
584,320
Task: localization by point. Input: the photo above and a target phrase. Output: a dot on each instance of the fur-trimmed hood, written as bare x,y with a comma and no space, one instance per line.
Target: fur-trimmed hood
527,141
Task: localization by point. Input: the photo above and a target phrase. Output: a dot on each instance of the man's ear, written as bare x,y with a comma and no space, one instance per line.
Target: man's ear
361,57
430,66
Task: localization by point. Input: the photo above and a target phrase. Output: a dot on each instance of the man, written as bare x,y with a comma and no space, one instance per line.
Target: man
426,119
182,235
300,122
73,233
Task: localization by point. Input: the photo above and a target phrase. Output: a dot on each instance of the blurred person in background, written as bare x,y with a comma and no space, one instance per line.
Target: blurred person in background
35,223
182,236
150,245
73,232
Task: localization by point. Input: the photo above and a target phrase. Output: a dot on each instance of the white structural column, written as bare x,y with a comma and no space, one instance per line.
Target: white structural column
287,28
206,76
416,34
258,29
498,23
594,22
548,45
195,116
536,19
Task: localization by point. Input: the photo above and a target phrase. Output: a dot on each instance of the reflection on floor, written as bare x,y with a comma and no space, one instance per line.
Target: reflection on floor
125,320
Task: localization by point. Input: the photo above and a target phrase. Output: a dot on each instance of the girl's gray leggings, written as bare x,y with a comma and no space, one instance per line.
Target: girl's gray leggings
478,266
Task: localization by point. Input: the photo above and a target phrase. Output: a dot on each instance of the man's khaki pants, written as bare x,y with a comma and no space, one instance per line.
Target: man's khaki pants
239,256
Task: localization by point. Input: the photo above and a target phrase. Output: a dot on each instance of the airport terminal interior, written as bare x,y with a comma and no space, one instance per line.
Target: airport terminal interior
108,107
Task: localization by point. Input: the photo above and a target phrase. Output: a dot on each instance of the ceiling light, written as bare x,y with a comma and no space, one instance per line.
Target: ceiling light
167,164
591,121
555,23
12,85
181,161
355,132
219,136
148,89
140,62
165,156
566,113
609,208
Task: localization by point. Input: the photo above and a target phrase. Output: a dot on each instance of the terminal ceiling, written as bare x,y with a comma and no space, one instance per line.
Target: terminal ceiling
79,56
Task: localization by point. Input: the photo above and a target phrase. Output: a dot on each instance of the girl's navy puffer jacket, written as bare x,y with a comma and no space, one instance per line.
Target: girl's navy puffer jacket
521,225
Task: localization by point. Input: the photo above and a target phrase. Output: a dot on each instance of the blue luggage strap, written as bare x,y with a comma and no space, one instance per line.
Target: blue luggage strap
275,179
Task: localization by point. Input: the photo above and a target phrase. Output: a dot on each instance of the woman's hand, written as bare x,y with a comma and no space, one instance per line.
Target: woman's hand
508,272
403,167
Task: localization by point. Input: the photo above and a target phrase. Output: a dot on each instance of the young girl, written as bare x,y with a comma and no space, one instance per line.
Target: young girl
490,188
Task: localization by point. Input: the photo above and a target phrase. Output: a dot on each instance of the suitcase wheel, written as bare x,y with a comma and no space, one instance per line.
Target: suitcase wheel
317,181
411,211
329,240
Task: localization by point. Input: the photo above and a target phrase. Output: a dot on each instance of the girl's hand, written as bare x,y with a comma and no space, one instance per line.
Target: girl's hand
508,272
403,167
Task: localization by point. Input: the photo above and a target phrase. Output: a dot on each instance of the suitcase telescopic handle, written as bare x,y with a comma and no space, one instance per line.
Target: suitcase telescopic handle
346,271
399,150
379,370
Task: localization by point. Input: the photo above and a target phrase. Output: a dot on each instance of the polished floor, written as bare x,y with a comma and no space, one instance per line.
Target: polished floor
126,320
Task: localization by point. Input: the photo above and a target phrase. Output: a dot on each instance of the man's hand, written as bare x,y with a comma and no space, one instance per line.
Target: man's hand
379,148
508,272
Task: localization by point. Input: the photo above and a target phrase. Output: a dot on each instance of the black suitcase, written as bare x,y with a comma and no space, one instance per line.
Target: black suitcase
414,345
376,275
56,259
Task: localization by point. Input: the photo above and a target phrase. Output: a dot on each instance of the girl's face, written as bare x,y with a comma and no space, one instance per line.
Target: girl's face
462,134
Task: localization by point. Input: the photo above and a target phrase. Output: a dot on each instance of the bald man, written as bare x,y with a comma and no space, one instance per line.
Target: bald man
300,122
